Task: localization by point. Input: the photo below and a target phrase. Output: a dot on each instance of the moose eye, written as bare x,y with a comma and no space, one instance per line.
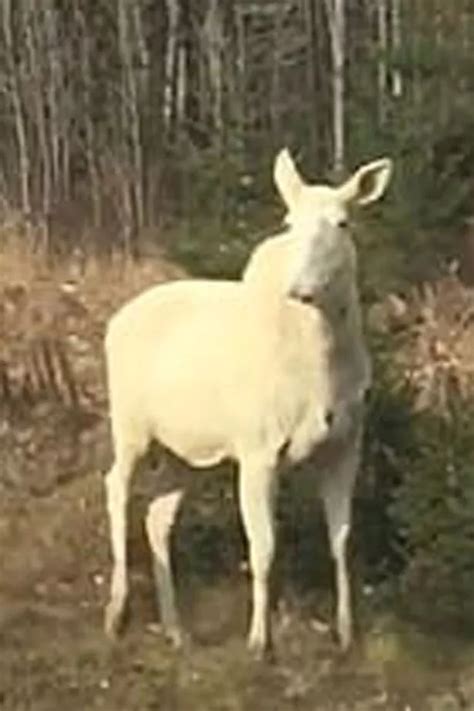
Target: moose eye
343,223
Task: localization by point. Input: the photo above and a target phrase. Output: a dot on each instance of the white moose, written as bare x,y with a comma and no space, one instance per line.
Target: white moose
267,371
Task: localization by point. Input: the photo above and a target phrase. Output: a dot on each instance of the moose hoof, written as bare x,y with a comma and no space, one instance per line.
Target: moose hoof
113,620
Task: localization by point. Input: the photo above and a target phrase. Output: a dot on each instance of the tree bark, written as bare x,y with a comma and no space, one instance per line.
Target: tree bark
382,32
18,108
336,19
89,131
34,36
397,81
171,62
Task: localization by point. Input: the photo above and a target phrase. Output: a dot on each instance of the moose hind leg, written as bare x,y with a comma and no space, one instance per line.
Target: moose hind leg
117,486
336,491
159,522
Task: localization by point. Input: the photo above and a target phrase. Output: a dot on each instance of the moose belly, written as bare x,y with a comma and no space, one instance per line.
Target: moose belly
196,447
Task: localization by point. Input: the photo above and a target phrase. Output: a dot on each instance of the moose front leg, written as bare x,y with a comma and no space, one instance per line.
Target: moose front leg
257,498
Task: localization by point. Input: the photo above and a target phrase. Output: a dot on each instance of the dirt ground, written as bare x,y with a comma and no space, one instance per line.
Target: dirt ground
54,554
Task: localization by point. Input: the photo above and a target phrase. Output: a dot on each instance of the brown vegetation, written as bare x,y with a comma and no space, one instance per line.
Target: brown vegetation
52,384
434,324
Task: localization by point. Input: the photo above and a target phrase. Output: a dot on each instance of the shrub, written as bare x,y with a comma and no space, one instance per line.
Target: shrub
417,516
433,509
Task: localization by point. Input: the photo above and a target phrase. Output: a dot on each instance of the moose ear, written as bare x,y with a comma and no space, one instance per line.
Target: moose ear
287,179
368,183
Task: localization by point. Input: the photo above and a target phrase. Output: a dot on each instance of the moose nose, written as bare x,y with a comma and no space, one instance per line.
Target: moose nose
329,418
302,295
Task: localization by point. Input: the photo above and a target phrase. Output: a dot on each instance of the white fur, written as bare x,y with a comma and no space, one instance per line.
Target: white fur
247,371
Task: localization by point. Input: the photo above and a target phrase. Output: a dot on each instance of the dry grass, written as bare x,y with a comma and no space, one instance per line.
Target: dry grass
439,359
66,302
52,381
435,325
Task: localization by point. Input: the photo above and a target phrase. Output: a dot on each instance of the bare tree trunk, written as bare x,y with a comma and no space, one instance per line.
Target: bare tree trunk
89,132
382,61
34,35
66,166
275,97
416,80
55,87
128,222
143,53
241,67
131,129
171,60
214,43
336,18
312,79
397,81
323,91
18,108
143,83
181,86
136,128
339,85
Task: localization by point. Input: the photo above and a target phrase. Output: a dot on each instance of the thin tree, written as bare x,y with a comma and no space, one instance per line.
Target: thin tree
16,97
335,10
382,32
